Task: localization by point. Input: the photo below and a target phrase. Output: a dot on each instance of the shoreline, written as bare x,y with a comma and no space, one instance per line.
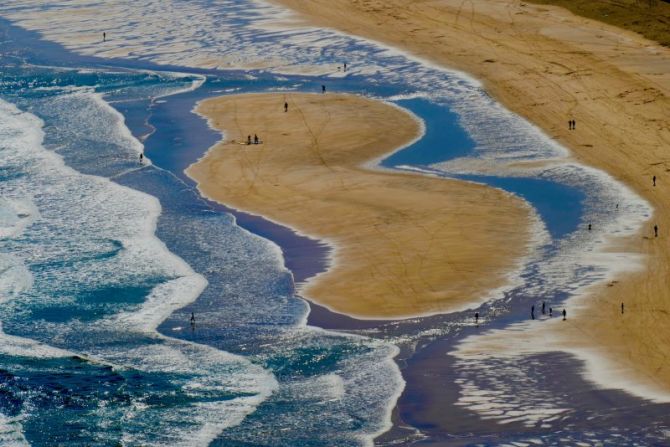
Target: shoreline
350,174
510,67
339,316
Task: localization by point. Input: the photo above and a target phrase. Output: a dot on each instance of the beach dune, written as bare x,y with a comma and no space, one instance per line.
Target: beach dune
403,244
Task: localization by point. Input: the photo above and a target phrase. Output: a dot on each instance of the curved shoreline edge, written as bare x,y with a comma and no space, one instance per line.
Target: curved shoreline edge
548,66
378,219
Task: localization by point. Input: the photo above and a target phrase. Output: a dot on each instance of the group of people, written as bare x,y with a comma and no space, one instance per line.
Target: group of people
544,311
255,141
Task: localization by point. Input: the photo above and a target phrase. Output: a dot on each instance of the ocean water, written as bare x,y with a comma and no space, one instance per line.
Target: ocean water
103,260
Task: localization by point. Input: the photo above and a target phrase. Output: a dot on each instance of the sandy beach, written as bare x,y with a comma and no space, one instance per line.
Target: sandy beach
550,66
403,244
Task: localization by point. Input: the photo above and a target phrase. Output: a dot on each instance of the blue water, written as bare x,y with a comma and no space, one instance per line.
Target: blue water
559,205
89,264
444,137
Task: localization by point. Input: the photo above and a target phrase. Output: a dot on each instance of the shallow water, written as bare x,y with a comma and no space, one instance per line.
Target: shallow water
103,260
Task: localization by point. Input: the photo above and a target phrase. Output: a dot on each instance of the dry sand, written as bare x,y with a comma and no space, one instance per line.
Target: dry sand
550,66
405,244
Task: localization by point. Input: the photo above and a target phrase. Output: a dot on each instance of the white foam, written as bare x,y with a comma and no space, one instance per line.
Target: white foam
212,417
107,211
161,303
481,353
11,432
15,216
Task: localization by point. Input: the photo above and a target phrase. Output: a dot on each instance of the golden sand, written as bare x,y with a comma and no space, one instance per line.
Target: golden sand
404,244
549,66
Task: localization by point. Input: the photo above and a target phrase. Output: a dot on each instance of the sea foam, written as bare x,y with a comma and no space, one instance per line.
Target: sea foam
105,211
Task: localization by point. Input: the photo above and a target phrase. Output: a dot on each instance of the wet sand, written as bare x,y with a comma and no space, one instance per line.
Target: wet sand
550,66
403,244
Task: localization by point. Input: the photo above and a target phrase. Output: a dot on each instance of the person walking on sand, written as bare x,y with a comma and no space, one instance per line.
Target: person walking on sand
551,312
532,311
653,179
543,307
248,139
476,317
104,37
255,139
192,319
285,107
622,308
655,230
323,89
565,315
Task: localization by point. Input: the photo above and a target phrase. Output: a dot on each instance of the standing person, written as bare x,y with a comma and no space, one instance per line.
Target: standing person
551,312
565,315
532,311
574,124
589,227
323,89
141,157
622,308
655,230
104,37
345,66
285,107
192,319
543,308
248,139
255,139
476,317
653,179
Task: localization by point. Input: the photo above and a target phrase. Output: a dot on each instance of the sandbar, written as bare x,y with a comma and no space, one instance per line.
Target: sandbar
403,244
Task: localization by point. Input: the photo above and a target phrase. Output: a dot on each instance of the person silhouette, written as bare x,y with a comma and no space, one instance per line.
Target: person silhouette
285,107
565,315
476,317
